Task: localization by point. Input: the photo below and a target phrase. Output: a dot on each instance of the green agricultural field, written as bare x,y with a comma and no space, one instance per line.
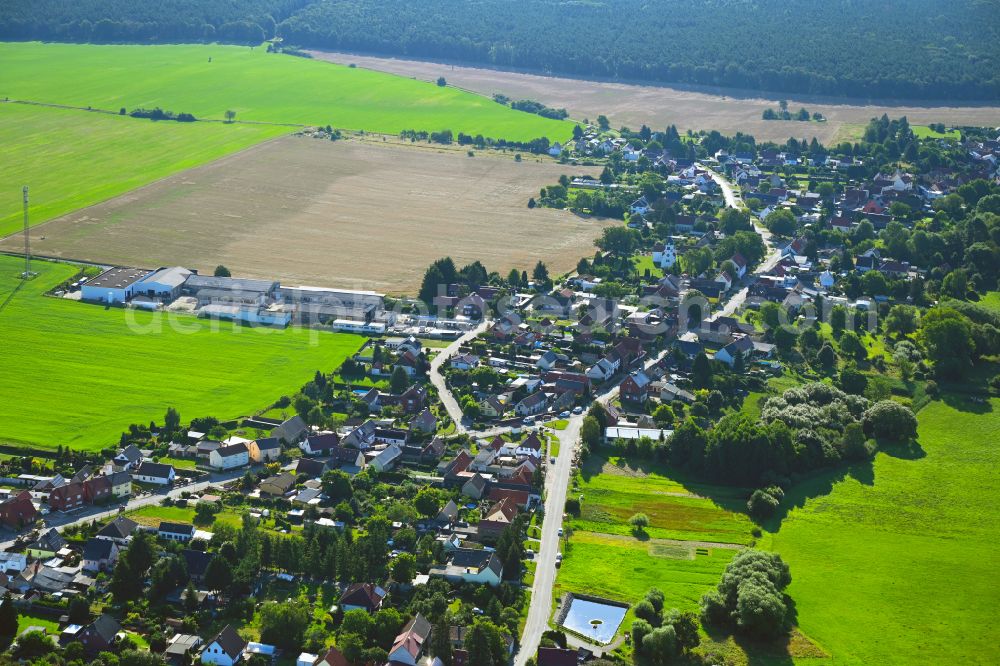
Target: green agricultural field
625,568
209,80
897,564
72,159
77,375
676,510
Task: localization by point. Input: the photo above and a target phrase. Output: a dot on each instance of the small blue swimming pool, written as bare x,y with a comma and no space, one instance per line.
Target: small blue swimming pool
594,620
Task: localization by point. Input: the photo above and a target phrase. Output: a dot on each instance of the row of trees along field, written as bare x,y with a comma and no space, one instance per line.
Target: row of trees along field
919,49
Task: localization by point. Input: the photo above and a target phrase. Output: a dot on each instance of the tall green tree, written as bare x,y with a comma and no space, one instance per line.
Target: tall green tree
8,618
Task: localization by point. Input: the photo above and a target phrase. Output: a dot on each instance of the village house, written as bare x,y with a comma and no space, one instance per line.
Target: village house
410,643
121,484
225,649
265,450
97,489
231,456
320,444
119,530
155,473
66,497
471,566
387,458
536,403
291,430
99,635
635,387
557,656
312,467
127,458
498,518
362,596
490,407
99,555
277,486
464,361
175,531
424,422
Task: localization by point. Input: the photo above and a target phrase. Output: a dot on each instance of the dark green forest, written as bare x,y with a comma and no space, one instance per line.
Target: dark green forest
917,49
138,21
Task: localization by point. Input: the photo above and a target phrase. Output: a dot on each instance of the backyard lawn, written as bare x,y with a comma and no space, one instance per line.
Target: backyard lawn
152,515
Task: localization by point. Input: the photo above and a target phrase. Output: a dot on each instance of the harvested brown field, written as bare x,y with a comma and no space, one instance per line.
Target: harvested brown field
728,111
351,214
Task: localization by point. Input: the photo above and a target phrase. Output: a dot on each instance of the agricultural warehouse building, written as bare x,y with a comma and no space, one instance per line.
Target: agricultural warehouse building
229,291
115,285
164,283
275,314
319,304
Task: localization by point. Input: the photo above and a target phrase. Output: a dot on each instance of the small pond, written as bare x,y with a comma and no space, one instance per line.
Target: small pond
594,620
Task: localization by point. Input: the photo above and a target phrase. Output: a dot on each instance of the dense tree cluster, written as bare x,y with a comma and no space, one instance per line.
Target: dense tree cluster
751,595
660,636
162,21
805,428
862,48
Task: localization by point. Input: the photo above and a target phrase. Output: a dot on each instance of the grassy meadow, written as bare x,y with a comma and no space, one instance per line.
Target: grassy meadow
72,159
77,375
892,565
624,569
209,80
676,510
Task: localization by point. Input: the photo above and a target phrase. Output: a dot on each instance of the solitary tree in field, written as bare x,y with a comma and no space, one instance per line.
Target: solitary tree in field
230,116
442,82
639,522
222,271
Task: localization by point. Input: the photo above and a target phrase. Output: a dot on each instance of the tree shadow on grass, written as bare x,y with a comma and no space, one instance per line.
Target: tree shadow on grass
815,485
773,652
966,402
903,450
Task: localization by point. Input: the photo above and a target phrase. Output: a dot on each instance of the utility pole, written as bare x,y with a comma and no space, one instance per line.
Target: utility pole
27,240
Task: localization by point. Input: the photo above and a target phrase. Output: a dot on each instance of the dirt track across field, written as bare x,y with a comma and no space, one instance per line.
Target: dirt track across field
355,214
728,111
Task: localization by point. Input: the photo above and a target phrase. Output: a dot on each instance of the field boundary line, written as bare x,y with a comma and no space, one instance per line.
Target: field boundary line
668,542
90,109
